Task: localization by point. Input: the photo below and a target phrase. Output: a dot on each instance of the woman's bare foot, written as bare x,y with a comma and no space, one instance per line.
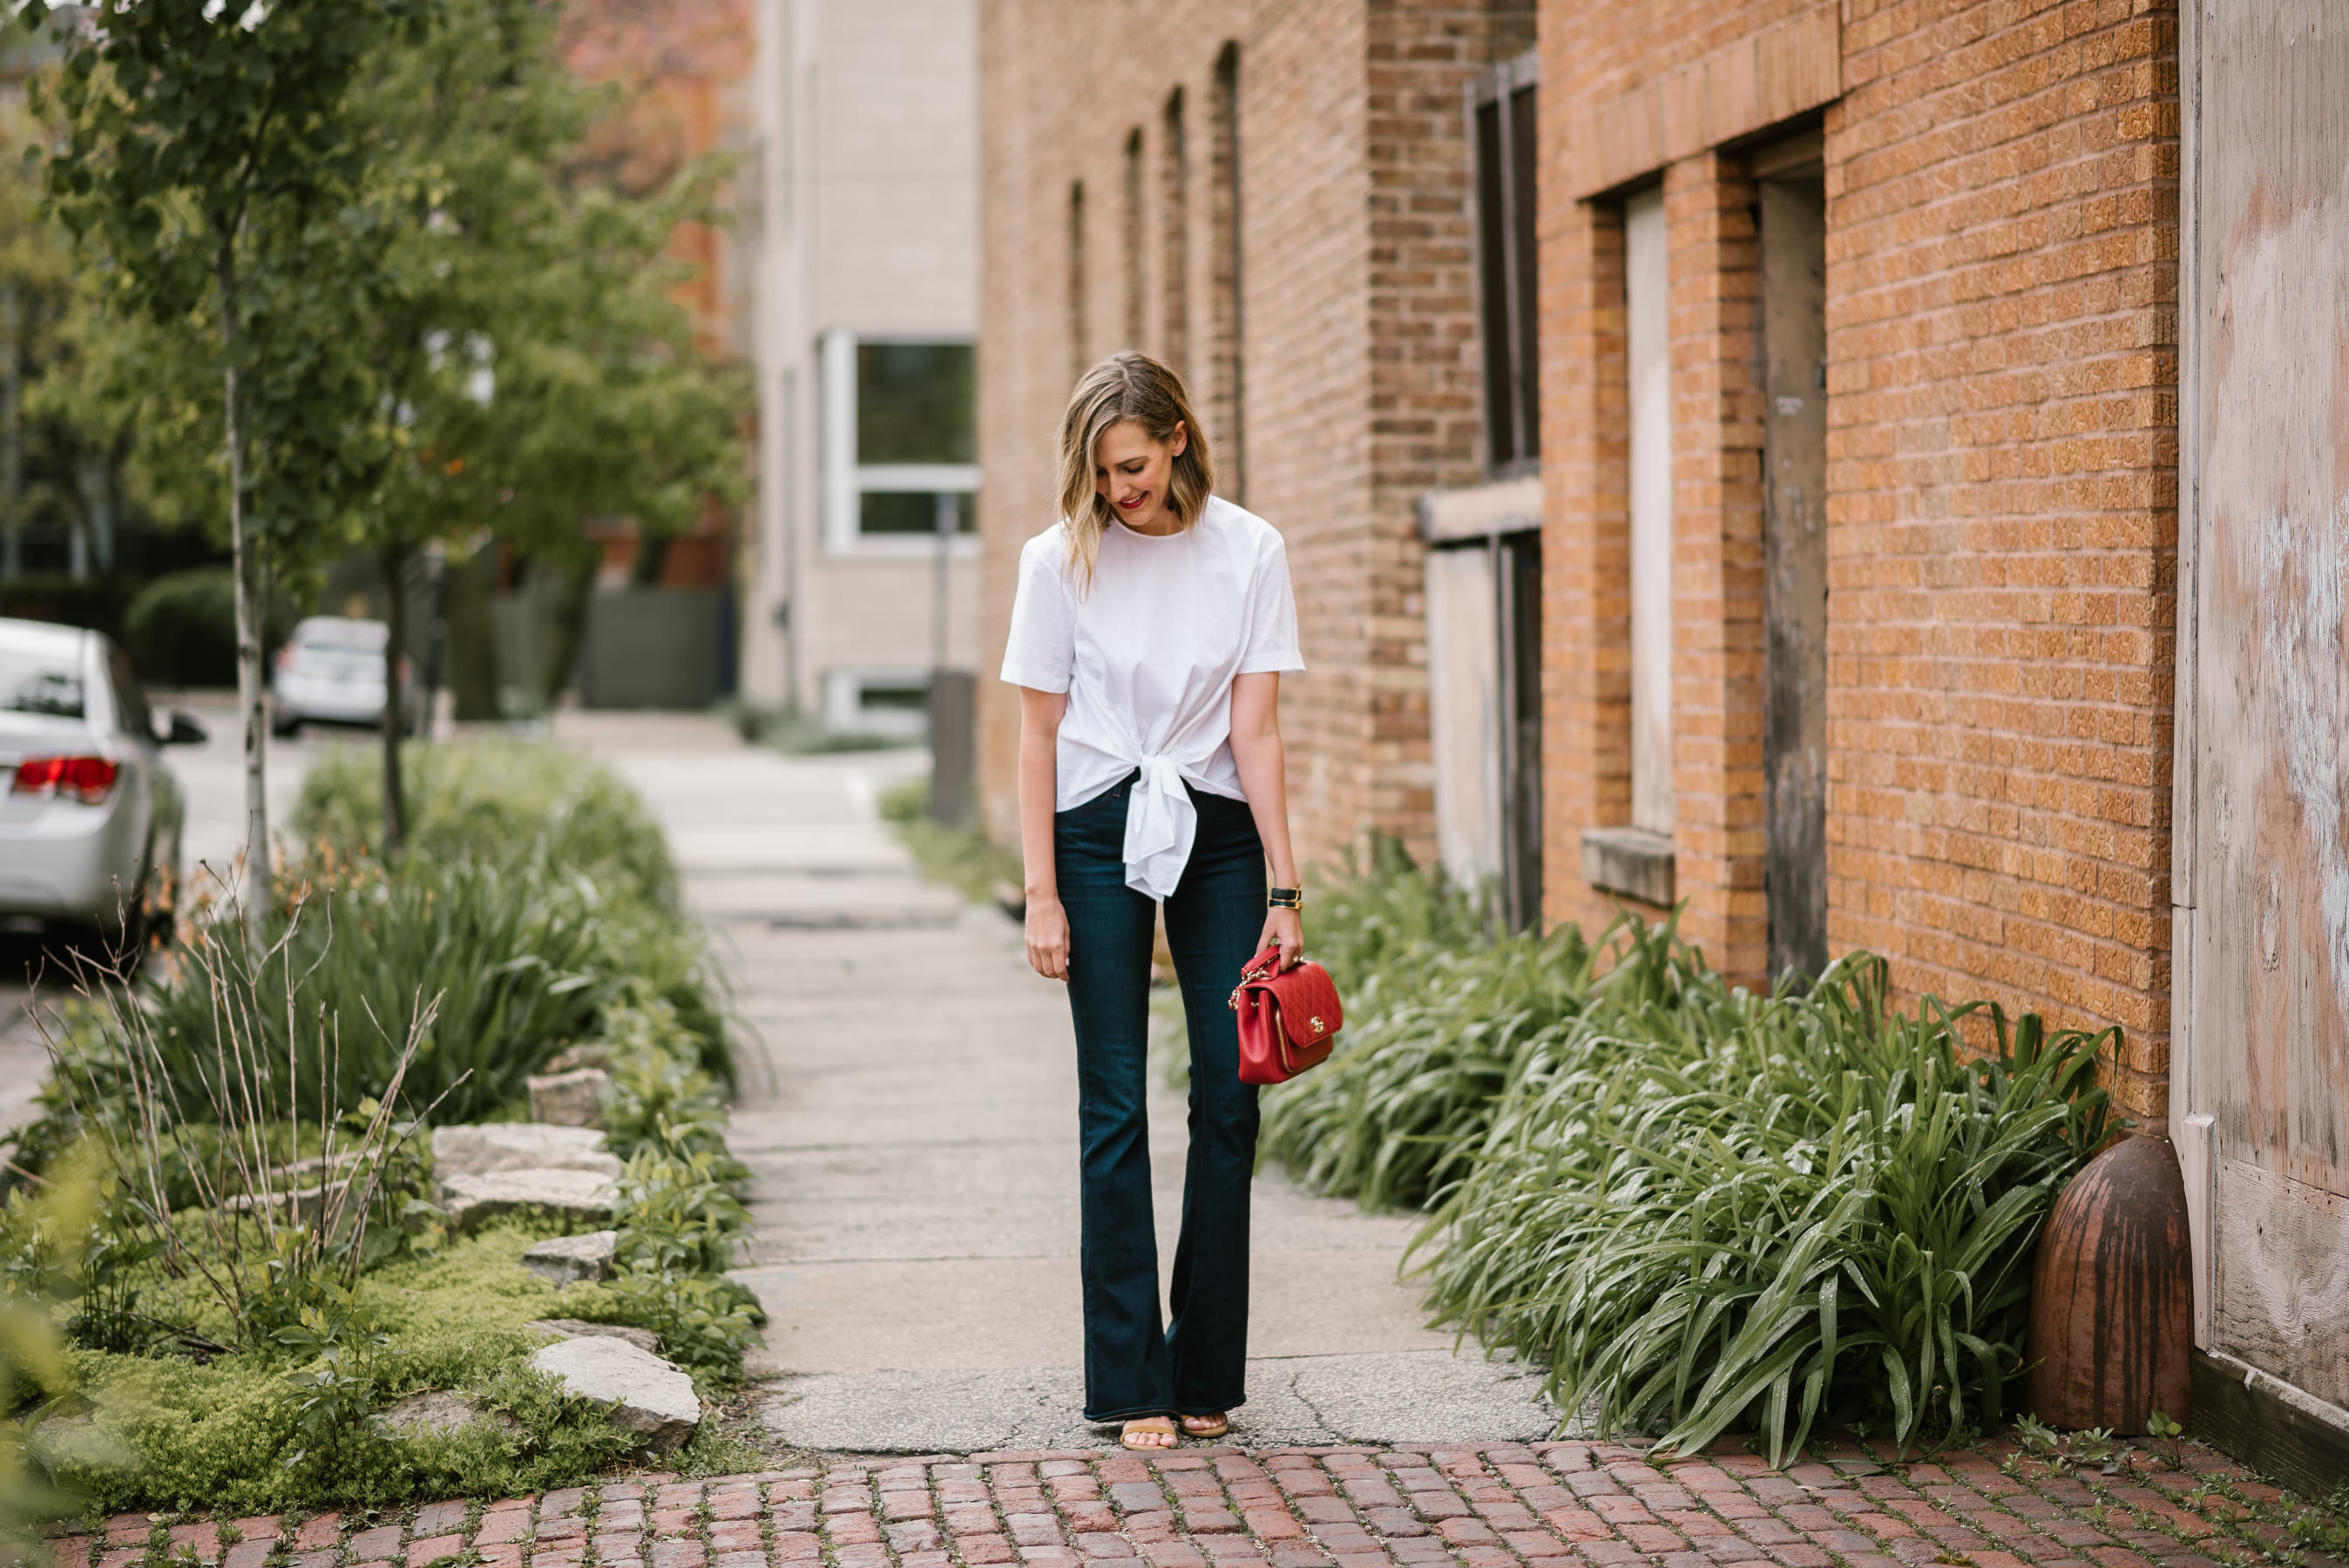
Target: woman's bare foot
1213,1426
1147,1432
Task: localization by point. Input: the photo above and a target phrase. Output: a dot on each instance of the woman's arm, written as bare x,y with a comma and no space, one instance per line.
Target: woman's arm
1040,762
1257,751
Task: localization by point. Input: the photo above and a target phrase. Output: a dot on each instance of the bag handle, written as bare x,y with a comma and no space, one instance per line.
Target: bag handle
1265,963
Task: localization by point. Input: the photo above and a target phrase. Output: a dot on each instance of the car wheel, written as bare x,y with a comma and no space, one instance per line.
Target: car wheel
285,727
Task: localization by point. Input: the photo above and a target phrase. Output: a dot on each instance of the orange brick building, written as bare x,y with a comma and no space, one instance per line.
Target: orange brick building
1993,195
1273,196
1854,472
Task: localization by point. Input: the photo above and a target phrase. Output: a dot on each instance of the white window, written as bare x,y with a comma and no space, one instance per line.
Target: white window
1646,278
900,443
892,704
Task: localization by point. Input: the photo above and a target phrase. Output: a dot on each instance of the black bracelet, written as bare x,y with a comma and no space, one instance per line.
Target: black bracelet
1287,898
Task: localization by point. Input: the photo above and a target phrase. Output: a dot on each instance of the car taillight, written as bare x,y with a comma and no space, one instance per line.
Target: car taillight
87,778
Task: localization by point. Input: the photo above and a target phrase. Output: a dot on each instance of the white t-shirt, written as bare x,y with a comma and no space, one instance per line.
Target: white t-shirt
1147,658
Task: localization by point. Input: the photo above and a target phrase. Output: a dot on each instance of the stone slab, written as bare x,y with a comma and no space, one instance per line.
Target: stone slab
482,1149
567,1259
577,1194
650,1398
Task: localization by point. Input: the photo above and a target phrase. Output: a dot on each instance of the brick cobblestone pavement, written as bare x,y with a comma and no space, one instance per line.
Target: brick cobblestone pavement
1543,1505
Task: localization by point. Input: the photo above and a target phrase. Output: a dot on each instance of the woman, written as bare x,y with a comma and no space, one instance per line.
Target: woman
1148,638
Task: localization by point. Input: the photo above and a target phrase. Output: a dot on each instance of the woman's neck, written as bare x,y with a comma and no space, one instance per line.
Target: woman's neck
1161,523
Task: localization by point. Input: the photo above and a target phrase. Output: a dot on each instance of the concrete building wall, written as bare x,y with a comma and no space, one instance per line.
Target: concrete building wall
2000,186
1356,369
866,214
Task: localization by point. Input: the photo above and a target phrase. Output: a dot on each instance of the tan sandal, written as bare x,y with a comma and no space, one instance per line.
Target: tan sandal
1213,1426
1143,1427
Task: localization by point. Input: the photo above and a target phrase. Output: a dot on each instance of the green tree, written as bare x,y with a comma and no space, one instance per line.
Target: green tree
522,328
204,155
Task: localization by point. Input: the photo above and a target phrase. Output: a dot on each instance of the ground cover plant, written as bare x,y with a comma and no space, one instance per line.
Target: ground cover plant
963,858
262,1268
1702,1209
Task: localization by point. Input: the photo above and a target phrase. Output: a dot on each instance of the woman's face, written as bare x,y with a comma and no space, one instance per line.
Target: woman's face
1131,472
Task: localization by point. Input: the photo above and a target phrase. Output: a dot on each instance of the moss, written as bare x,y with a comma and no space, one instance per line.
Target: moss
179,1434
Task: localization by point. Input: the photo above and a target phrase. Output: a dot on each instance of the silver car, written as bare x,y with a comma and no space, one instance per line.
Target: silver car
330,671
91,813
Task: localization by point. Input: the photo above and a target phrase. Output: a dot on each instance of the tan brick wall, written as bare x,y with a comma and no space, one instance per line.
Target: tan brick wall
1359,352
2001,280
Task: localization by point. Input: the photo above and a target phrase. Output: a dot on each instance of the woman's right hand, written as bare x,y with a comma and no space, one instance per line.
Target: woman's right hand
1048,938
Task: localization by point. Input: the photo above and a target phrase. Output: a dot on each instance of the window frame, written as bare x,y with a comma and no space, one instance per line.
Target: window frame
1497,90
845,480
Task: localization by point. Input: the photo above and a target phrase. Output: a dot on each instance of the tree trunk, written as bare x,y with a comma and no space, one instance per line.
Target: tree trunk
472,643
566,627
12,433
254,891
395,712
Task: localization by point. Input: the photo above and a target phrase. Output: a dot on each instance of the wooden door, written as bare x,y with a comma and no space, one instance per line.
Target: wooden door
2260,1088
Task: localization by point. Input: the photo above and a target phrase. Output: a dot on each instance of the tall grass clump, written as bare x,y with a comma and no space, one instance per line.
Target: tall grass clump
1440,1016
1763,1212
490,971
542,816
500,801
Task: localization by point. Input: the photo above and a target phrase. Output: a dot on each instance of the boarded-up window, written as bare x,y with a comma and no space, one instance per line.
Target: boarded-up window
1647,348
1502,106
1224,359
1175,236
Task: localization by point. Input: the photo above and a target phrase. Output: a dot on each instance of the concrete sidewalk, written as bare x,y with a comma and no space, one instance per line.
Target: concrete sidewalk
909,1110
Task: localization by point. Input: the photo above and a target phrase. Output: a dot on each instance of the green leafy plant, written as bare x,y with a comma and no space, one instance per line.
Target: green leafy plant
658,1098
269,1235
1723,1210
500,801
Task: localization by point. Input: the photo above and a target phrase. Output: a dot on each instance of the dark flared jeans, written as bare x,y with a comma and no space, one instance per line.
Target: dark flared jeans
1198,1363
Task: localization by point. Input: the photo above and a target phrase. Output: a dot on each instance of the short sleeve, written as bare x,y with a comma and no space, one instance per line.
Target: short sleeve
1272,613
1041,651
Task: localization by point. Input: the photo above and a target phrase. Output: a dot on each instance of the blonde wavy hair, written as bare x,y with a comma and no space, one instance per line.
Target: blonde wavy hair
1126,386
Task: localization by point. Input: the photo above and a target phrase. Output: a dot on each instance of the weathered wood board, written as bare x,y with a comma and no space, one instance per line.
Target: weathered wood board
2264,837
2283,1278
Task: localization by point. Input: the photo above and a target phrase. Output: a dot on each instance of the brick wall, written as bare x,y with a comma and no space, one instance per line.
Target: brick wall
1355,315
2002,215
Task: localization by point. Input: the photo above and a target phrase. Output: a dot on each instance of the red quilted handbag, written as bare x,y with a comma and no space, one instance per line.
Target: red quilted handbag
1288,1018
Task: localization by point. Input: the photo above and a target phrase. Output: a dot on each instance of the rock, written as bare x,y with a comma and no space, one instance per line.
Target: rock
437,1411
567,1259
470,1200
649,1397
494,1146
303,1202
586,1054
572,1098
644,1339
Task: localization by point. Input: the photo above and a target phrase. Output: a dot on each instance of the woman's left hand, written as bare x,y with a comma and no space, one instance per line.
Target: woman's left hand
1283,928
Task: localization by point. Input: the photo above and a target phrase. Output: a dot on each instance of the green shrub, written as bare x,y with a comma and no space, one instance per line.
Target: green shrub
1722,1211
516,960
181,629
92,601
1382,918
965,858
658,1096
497,800
558,815
1403,1106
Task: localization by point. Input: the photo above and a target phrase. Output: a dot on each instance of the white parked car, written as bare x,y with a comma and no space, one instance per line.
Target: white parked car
330,671
91,813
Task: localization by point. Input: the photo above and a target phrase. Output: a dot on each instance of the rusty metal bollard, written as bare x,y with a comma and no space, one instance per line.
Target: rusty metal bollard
2112,1296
